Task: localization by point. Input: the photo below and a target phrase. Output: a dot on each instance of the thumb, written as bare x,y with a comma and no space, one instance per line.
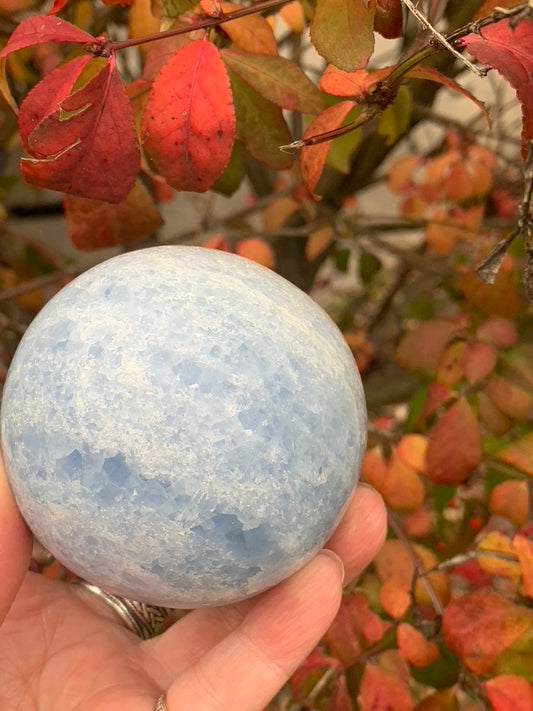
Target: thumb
15,546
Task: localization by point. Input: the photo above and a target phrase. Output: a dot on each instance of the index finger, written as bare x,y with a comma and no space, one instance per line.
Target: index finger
15,546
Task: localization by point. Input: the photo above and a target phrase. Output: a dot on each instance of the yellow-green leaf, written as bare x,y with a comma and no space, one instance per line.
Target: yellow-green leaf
394,121
342,32
276,79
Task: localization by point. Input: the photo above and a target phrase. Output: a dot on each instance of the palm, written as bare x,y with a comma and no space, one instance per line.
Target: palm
82,659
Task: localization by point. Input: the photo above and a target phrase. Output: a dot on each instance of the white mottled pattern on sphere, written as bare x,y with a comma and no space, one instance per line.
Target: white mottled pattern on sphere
182,427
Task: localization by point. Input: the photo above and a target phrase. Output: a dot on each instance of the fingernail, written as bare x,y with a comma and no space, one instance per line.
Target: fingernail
338,561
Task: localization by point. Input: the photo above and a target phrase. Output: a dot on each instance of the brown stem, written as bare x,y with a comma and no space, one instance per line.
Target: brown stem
206,23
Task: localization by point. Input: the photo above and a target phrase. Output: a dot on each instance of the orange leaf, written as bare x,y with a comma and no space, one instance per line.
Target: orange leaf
252,33
393,563
312,158
350,84
496,557
394,598
93,224
510,499
511,399
318,241
422,347
523,548
479,626
519,454
402,487
257,250
292,15
419,523
411,449
450,367
509,693
380,691
188,123
400,175
414,647
454,445
498,299
374,468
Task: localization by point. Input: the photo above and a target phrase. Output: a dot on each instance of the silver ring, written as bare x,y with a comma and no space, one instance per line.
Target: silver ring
160,703
144,620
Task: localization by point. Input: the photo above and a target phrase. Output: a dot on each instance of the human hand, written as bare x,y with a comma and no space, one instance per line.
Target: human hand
63,649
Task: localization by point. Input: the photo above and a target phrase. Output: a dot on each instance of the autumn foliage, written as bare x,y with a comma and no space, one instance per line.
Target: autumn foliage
430,280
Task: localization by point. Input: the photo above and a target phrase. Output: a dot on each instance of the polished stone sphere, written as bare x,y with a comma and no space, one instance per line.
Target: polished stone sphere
183,427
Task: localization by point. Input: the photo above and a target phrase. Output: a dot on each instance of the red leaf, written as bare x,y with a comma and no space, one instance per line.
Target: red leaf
43,28
87,146
312,158
380,691
479,626
340,698
92,224
430,74
188,122
508,48
388,18
509,693
422,347
46,96
478,361
454,445
57,5
315,661
354,628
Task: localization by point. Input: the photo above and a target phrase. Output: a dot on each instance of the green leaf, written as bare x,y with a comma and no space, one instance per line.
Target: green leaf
369,266
276,79
441,673
260,125
341,149
394,121
233,174
342,32
175,8
341,258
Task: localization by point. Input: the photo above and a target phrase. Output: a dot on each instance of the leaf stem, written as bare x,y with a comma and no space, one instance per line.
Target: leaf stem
206,23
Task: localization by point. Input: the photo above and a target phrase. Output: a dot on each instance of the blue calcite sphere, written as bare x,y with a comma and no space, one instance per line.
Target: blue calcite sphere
182,426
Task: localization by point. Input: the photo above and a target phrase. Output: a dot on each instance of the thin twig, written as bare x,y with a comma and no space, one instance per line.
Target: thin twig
441,39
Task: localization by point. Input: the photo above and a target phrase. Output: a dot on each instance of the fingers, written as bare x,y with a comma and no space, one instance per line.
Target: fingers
15,547
246,668
356,541
361,533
